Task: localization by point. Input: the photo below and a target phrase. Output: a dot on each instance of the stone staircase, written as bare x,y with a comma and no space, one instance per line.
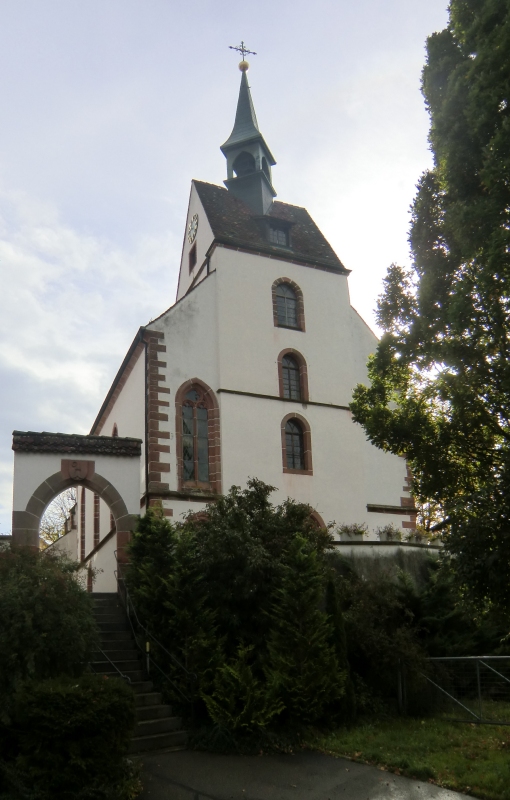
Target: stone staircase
156,728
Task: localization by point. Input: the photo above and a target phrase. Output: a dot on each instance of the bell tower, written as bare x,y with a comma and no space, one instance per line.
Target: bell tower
249,159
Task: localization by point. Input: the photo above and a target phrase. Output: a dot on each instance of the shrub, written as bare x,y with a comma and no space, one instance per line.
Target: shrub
47,626
217,579
302,655
68,740
382,633
239,700
352,530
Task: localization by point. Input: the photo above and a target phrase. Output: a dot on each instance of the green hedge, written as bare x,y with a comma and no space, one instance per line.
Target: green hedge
47,627
68,740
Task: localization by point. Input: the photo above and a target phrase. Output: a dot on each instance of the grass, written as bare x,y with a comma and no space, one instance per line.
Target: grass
469,758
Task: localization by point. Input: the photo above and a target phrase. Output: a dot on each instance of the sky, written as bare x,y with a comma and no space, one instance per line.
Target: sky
111,107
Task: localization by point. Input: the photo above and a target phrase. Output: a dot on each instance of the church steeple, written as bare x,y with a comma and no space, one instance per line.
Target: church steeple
249,159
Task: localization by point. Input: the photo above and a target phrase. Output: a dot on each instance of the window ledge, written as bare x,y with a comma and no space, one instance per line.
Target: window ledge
298,471
289,327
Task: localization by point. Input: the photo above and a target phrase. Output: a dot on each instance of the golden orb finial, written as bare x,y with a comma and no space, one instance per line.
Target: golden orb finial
244,66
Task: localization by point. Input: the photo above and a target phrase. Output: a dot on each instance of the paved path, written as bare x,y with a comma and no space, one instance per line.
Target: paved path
190,775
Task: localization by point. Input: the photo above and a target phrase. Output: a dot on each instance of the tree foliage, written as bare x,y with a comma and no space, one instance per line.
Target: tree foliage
47,627
237,595
53,522
440,379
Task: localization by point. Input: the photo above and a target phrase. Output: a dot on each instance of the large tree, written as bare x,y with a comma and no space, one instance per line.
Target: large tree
440,379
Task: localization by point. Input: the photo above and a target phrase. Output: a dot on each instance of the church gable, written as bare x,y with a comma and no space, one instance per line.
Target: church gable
234,224
198,237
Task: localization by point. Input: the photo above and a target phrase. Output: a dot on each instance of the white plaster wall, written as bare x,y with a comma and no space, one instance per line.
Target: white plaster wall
104,561
30,470
203,241
68,545
223,333
129,410
249,342
338,489
190,329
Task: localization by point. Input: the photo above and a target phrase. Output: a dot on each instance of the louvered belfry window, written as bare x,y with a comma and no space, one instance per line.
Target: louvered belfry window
286,306
291,379
195,437
294,442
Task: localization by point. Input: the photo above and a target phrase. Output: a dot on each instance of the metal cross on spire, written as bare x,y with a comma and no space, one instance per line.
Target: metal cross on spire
243,50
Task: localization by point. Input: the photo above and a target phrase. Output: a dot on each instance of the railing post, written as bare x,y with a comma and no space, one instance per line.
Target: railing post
148,657
479,689
401,689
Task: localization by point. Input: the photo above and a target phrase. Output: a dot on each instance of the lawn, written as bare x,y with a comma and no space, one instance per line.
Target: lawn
474,759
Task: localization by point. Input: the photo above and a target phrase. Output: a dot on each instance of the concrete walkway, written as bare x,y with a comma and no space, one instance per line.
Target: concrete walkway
189,775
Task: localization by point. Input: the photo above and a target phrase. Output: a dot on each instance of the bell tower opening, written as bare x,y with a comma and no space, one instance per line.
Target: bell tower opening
244,164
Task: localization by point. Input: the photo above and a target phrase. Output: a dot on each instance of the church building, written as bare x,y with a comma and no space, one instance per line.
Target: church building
250,372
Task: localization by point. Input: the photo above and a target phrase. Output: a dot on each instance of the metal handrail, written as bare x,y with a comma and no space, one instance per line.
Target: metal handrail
122,675
130,605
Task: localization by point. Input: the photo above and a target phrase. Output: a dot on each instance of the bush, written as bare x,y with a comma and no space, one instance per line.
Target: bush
218,581
381,622
69,739
47,627
302,655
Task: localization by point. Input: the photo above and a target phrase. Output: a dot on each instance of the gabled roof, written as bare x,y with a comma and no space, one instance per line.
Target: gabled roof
233,223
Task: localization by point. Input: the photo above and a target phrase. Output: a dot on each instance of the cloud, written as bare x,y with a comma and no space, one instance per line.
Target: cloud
70,305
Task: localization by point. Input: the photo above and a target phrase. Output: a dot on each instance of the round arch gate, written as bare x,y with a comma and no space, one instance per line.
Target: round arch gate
47,463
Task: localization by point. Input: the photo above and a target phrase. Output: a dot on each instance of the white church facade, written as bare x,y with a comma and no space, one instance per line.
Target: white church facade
251,371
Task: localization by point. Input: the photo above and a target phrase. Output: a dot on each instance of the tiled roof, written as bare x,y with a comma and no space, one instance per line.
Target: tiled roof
233,223
32,442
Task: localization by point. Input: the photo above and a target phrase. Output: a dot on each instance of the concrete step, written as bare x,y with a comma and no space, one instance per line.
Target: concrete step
144,699
143,686
113,627
123,666
126,654
160,741
150,727
153,712
115,636
117,616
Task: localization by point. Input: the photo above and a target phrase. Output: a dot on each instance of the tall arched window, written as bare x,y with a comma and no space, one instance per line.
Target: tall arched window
195,438
198,442
292,376
288,308
296,445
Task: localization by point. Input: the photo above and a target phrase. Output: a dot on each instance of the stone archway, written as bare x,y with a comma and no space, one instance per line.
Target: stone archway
41,473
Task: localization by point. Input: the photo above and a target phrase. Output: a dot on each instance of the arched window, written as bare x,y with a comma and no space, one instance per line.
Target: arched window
198,442
296,445
195,438
292,376
115,431
244,164
288,308
316,521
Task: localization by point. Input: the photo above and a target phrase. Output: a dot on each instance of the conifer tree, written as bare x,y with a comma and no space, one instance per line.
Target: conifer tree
344,707
301,651
440,379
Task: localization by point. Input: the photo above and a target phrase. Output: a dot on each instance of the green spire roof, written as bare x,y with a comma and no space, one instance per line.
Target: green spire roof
245,126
